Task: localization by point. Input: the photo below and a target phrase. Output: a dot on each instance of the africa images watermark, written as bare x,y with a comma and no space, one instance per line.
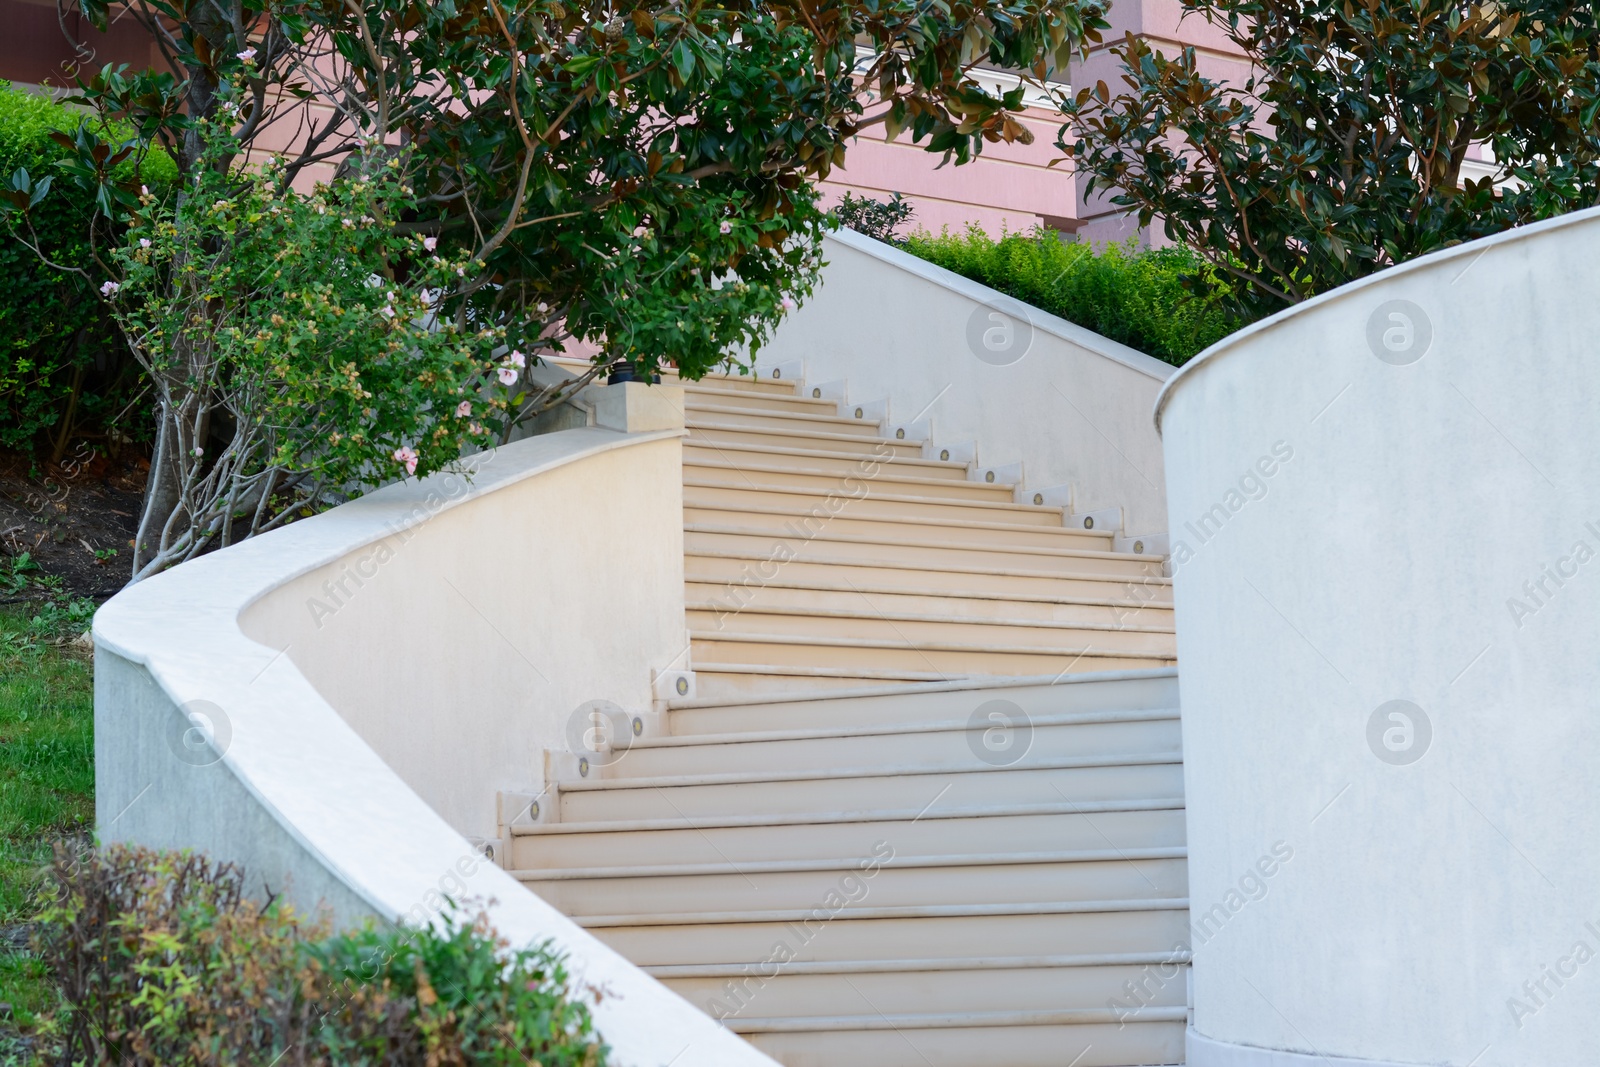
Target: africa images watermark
1539,590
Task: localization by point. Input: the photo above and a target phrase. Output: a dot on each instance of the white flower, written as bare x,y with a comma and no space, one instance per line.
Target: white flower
516,359
408,457
109,289
475,429
144,190
247,55
430,243
144,242
507,375
463,409
198,451
386,311
726,227
787,304
348,224
542,307
641,231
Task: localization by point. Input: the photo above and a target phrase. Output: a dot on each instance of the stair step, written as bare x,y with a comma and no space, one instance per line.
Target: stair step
906,518
880,448
781,547
886,786
744,682
1099,651
698,410
886,480
939,743
867,987
752,564
1101,875
823,459
1148,823
761,401
857,931
1050,695
1063,1039
783,597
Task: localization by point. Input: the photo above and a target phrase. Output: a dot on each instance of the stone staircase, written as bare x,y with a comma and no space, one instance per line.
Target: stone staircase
925,807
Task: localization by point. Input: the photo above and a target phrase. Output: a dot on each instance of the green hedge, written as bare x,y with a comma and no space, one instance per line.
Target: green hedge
1164,302
64,374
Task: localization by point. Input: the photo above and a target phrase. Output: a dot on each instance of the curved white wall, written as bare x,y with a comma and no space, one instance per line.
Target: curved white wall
1073,407
1391,493
366,735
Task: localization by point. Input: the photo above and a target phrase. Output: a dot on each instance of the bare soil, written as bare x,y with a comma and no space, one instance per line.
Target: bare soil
70,518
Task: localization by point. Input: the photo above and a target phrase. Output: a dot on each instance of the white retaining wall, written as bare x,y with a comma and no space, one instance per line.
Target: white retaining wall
1386,520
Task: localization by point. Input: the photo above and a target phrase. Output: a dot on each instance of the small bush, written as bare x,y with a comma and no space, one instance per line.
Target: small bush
163,960
64,373
878,219
1164,302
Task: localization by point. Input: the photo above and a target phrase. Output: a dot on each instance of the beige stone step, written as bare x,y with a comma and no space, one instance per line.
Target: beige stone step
967,741
979,519
874,521
1088,1038
742,682
882,448
754,565
1151,823
859,931
1099,651
867,987
969,638
816,541
788,597
887,480
888,786
698,410
760,401
919,701
1103,874
822,459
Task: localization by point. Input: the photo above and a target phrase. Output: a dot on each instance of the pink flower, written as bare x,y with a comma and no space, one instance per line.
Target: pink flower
507,375
408,457
463,409
787,304
726,227
430,243
144,190
109,289
144,242
247,55
516,359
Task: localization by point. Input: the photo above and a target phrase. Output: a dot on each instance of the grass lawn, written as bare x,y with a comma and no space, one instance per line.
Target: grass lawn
46,785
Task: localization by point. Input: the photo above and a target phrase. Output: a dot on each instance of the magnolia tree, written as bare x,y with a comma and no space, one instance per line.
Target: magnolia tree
511,175
1344,151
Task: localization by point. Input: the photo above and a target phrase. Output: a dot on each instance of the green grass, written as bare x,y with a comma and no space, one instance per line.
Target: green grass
46,782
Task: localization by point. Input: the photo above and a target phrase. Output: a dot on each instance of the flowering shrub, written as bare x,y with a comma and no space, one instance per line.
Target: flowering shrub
161,959
293,347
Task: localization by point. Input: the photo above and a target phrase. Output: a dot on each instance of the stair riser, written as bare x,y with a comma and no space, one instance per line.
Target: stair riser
945,937
1066,698
976,835
709,410
859,500
1031,786
864,624
1097,1045
751,568
795,540
851,443
795,405
883,521
833,464
750,595
1093,655
768,992
1009,735
883,482
889,887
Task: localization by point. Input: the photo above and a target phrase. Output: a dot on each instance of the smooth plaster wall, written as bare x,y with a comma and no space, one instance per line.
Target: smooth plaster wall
1439,904
537,600
1073,406
286,786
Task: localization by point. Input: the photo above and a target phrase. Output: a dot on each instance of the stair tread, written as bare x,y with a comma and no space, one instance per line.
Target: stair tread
998,488
801,417
950,1020
701,389
896,498
907,645
801,435
934,963
822,453
716,822
966,546
885,770
817,585
898,911
901,616
921,565
992,682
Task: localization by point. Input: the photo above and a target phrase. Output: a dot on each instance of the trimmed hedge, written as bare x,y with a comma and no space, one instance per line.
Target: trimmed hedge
1164,302
64,373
